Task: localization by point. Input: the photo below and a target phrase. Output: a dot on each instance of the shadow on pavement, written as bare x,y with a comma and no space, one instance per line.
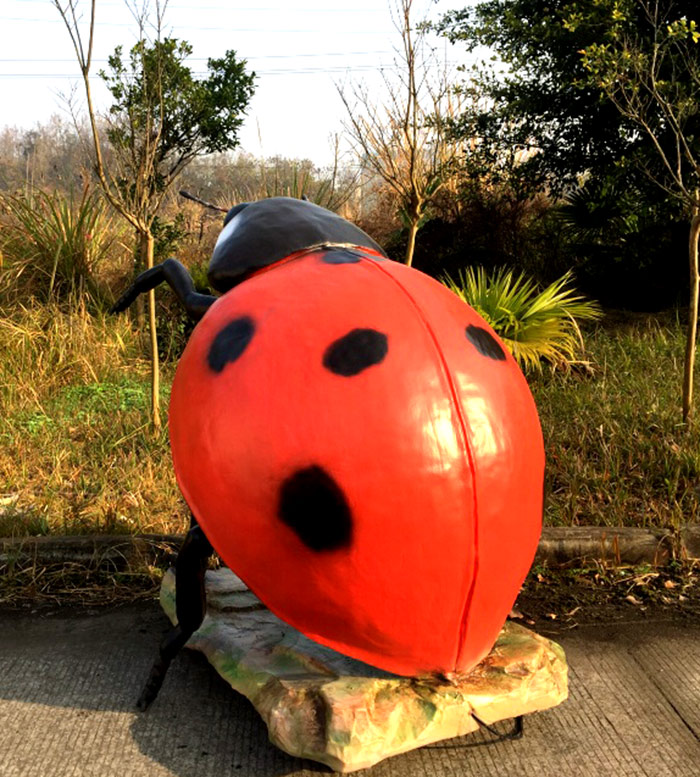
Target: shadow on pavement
69,683
94,667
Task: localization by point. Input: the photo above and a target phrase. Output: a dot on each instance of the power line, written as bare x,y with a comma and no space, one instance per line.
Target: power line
204,59
270,71
250,9
202,74
267,30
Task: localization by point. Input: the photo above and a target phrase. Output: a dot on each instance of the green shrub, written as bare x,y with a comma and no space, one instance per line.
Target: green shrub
54,245
536,325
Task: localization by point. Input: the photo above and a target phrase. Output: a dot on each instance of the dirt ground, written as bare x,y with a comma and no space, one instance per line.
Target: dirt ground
556,600
551,602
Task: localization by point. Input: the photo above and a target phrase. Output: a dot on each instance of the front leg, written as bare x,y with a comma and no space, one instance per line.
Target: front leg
180,281
190,606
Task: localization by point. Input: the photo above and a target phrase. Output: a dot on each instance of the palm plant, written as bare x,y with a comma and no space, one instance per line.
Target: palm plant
600,212
535,325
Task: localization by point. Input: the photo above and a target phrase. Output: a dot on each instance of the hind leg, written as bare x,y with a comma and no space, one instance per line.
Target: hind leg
190,605
176,276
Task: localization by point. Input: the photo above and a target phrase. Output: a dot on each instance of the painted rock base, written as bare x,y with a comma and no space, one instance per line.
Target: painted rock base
321,705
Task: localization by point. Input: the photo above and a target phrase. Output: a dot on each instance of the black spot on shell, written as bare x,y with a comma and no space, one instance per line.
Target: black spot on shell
340,257
355,351
313,505
230,343
485,343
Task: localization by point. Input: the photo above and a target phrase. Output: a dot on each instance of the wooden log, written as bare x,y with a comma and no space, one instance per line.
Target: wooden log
566,545
559,545
96,551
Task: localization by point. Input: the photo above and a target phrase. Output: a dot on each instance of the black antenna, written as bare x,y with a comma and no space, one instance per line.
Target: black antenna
206,204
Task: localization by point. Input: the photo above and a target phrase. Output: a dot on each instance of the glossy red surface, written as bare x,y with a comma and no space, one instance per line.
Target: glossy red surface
437,449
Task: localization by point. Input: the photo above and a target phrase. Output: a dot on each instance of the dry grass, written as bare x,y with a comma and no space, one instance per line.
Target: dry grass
77,584
617,451
76,452
555,599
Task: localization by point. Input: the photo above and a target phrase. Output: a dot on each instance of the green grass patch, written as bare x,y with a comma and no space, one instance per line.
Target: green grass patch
617,452
77,453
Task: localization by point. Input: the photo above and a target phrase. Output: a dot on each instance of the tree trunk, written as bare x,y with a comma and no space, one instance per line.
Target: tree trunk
138,309
147,258
411,246
692,315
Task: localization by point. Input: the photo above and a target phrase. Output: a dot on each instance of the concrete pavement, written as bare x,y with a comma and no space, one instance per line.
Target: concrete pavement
69,680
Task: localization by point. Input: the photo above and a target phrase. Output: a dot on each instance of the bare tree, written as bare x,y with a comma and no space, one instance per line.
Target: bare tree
161,119
404,138
649,68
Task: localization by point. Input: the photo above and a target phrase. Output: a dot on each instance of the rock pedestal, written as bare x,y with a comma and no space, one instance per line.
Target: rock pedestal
322,705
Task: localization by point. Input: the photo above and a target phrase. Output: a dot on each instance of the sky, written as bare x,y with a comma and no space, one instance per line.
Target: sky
300,49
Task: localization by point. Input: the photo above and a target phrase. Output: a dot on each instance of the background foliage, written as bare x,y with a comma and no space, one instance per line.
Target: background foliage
551,185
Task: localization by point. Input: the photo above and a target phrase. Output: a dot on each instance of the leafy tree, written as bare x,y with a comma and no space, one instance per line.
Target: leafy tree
162,118
647,64
603,88
537,123
534,114
154,92
625,242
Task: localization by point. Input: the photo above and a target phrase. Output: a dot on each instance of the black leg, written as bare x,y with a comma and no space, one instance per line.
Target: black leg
515,733
190,606
179,280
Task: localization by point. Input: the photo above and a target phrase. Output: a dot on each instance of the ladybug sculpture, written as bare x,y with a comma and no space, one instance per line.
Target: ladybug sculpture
353,440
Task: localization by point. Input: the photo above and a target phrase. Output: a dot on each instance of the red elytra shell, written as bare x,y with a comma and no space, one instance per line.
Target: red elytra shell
437,449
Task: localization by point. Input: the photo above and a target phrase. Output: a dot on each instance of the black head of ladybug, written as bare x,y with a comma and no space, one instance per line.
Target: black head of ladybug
258,234
255,235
